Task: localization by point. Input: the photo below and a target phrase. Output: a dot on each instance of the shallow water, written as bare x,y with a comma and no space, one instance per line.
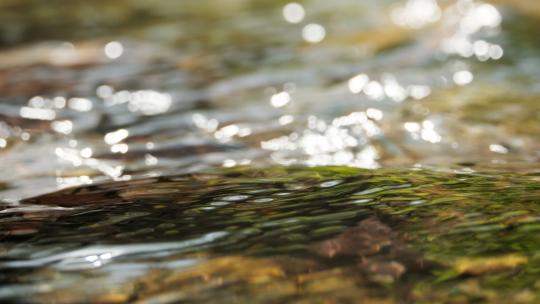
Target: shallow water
258,151
279,234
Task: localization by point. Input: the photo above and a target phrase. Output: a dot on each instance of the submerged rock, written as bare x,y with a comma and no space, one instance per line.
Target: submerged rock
388,235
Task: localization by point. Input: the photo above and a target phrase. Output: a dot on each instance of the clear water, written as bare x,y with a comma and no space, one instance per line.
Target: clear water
258,151
277,235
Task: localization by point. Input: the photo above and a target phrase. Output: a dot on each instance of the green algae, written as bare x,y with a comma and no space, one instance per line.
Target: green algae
466,233
470,237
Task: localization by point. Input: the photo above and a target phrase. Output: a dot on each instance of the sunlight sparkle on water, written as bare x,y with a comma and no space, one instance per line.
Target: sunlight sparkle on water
416,13
62,126
226,133
468,19
313,33
496,148
293,12
280,99
150,160
412,126
59,102
496,52
374,90
35,113
120,148
478,16
149,102
86,152
418,91
229,163
285,120
104,91
113,49
146,102
393,89
80,104
201,122
425,131
115,137
37,102
428,132
64,54
357,83
98,260
340,143
374,114
64,182
462,78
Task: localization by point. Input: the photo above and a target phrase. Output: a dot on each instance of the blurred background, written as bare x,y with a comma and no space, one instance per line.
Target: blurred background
112,90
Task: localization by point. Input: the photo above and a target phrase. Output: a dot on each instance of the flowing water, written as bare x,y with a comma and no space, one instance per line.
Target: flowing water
269,152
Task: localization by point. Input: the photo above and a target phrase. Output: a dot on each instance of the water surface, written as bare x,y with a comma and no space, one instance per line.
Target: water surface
266,151
279,235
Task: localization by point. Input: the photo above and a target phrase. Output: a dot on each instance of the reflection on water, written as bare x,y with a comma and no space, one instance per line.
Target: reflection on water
112,92
277,234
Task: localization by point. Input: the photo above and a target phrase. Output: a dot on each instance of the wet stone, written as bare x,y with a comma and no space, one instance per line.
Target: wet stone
248,248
